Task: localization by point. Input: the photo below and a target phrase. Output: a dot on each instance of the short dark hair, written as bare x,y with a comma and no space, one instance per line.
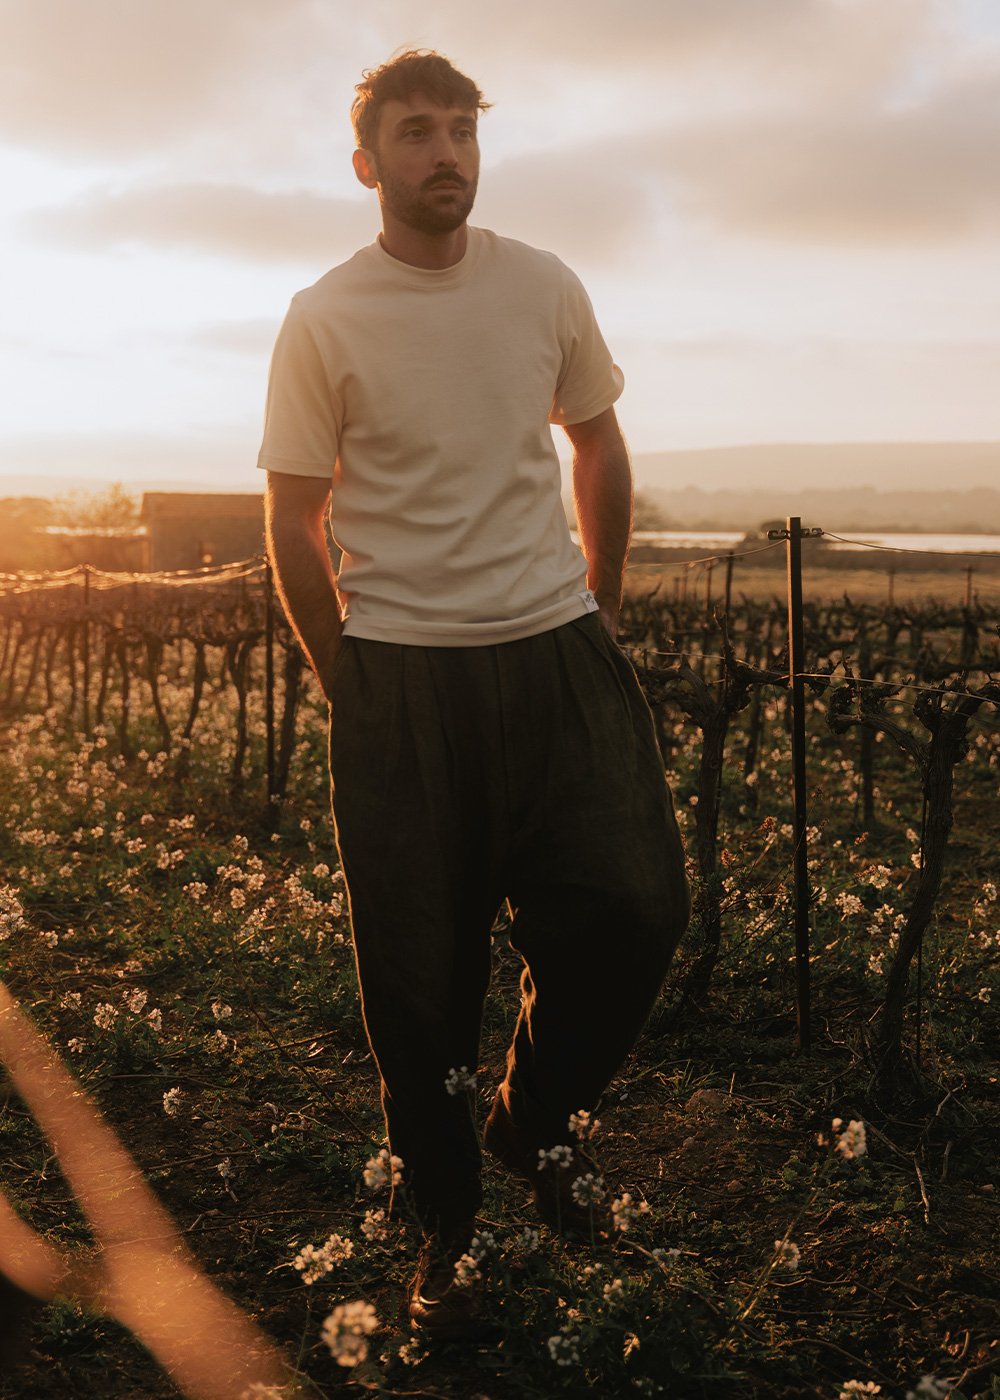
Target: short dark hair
415,70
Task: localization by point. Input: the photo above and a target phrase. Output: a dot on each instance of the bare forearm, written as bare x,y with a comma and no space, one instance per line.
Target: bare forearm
602,491
306,585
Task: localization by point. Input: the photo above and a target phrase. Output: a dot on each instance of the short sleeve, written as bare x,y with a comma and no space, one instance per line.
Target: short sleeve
589,381
304,415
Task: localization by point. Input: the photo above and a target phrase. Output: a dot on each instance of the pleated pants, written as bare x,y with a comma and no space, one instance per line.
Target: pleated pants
461,777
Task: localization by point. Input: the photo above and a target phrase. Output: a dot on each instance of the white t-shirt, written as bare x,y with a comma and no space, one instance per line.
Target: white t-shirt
425,397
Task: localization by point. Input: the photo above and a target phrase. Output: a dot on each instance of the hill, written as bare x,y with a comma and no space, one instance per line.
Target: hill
885,466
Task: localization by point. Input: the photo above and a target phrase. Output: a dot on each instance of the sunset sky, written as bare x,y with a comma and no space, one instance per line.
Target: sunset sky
786,211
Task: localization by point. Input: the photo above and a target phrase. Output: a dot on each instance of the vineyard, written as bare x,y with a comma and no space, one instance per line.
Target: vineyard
173,917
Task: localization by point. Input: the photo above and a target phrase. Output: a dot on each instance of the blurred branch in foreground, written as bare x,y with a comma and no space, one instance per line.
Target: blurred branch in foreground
138,1271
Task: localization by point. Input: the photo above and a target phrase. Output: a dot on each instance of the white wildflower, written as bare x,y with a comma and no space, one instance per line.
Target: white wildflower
851,1388
626,1211
346,1331
467,1270
221,1010
105,1016
172,1100
373,1227
135,999
382,1169
412,1353
559,1157
564,1349
930,1388
456,1080
314,1262
583,1124
853,1141
788,1255
11,912
588,1190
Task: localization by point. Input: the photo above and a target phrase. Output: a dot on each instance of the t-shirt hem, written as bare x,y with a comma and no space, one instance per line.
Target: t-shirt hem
582,413
289,467
472,634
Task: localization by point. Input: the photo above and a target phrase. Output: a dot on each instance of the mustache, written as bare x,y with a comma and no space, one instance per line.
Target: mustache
450,177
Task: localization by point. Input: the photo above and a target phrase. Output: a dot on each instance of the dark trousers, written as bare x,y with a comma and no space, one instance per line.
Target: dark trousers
463,776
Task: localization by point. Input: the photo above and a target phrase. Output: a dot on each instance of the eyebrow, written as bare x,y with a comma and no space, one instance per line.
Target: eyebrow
423,118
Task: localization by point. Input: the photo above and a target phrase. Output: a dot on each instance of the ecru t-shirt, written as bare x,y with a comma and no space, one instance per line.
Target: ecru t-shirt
425,398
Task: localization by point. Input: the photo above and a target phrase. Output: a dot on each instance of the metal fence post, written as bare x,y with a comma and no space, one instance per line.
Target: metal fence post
729,583
793,534
86,650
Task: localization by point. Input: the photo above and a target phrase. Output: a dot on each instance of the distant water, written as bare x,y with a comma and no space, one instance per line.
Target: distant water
719,541
936,544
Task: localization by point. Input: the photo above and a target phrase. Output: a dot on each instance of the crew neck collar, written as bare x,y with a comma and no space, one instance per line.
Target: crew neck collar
432,276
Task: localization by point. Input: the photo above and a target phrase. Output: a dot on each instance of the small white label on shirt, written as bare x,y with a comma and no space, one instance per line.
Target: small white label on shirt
589,601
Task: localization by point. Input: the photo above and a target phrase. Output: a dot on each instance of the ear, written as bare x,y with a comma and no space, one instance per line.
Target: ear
365,168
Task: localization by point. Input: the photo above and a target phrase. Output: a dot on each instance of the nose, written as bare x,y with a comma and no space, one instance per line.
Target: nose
445,153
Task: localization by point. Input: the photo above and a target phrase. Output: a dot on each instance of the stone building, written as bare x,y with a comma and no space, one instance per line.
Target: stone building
189,530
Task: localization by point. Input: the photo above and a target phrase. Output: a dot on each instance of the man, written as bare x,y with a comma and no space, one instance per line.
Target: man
488,740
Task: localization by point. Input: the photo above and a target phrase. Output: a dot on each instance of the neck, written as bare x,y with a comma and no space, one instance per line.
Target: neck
434,251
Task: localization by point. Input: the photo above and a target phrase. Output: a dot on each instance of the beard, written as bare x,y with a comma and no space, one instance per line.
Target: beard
421,210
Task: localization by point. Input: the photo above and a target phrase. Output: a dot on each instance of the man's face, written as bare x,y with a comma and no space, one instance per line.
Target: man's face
426,164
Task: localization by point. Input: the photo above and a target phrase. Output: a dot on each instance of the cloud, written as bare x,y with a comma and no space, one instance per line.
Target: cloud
915,174
254,338
582,204
117,79
800,44
866,174
825,122
562,204
223,456
862,173
231,220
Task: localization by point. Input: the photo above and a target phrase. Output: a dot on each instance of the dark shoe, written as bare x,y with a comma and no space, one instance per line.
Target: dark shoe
440,1306
552,1182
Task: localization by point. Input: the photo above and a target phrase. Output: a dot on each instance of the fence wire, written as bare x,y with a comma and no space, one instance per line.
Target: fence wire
103,579
832,676
903,549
